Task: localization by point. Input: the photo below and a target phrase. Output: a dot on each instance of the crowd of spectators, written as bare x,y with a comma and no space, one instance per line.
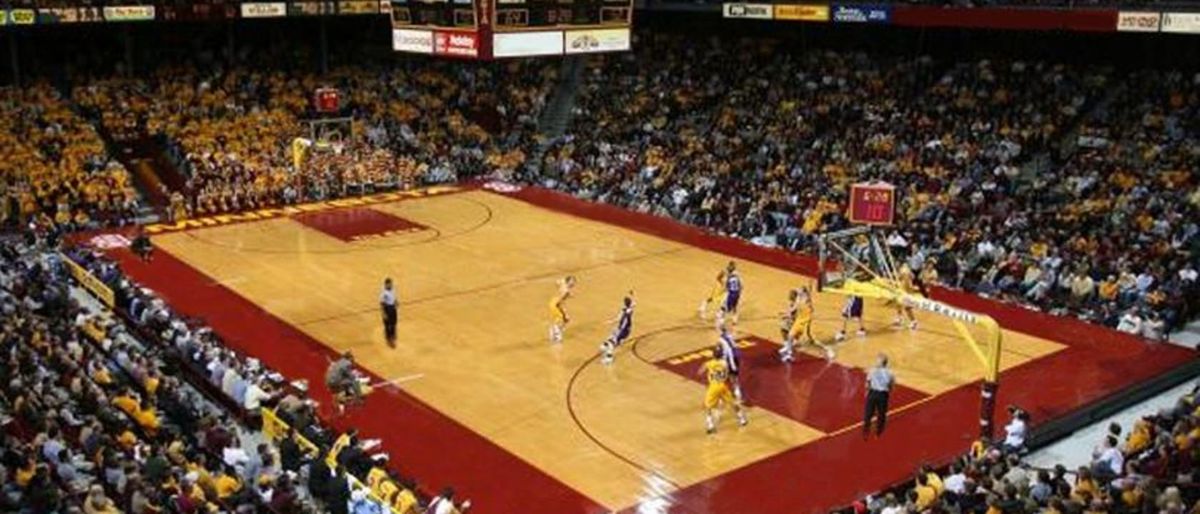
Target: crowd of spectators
56,170
233,125
1148,469
302,465
731,147
95,422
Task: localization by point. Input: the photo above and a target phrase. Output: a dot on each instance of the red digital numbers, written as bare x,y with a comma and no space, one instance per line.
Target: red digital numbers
872,204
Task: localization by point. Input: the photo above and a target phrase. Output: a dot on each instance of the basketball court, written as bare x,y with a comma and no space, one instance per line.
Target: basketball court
486,403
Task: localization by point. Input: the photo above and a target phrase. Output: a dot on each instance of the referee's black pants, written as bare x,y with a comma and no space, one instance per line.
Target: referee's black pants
877,407
389,322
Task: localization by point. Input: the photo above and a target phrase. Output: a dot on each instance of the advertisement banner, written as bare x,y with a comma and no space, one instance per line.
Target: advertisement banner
1181,22
456,44
358,7
22,16
599,40
129,13
311,8
1138,21
417,41
99,289
264,9
57,15
522,44
748,11
862,13
802,12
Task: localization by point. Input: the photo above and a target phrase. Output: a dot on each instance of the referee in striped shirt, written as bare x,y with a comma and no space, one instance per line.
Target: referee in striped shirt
879,386
387,303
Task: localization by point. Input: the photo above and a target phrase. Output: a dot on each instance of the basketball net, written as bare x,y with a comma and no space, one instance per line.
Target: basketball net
856,262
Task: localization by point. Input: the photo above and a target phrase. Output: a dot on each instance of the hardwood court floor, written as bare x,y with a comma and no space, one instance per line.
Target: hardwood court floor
475,270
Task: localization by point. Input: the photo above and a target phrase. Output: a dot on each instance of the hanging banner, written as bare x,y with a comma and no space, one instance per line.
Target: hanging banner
862,13
597,40
264,9
456,43
22,16
524,44
358,7
1138,21
129,13
748,11
416,41
1181,22
802,12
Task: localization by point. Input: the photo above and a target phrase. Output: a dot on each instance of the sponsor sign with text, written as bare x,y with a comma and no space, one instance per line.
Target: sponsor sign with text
358,7
521,44
416,41
748,11
22,16
1181,22
456,44
1138,21
264,9
802,12
600,40
862,13
129,13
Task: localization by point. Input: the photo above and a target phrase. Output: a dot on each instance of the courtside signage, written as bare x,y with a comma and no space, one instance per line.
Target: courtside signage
1181,22
416,41
802,12
748,11
1128,21
862,14
599,40
523,44
264,10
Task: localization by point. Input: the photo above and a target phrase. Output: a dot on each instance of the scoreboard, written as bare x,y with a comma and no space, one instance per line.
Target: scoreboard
489,29
872,203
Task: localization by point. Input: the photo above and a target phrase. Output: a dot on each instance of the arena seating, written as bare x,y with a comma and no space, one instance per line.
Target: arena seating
964,140
57,171
341,469
1148,467
234,127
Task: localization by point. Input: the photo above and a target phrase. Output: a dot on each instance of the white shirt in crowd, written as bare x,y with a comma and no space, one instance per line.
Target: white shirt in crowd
956,483
1153,328
1014,433
254,396
1112,459
1130,323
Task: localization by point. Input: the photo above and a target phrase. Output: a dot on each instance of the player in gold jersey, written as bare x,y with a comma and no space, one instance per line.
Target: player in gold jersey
558,312
801,330
907,284
718,393
715,297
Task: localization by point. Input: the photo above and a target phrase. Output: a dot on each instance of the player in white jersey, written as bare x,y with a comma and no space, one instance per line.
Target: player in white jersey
621,330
